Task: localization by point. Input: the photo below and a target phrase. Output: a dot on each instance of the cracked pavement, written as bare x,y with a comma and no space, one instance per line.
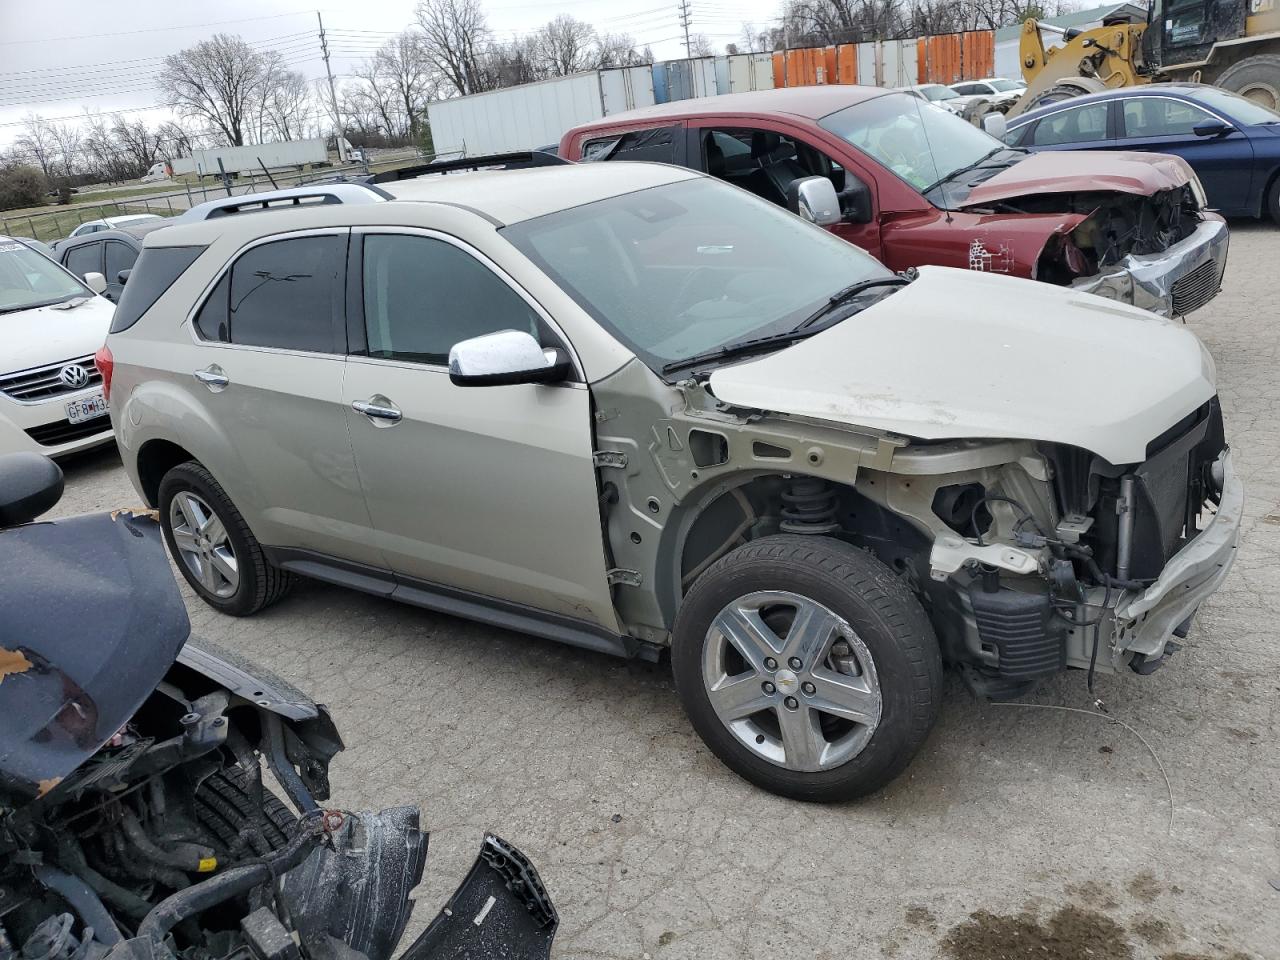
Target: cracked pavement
1005,807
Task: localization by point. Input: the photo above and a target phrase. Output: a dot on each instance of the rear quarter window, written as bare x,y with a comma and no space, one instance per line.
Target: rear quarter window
154,272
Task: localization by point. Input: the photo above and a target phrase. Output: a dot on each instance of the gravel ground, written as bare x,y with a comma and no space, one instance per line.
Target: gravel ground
1017,832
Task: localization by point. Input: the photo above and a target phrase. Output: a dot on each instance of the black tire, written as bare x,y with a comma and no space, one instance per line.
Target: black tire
259,583
226,808
1257,78
1273,201
883,613
1055,94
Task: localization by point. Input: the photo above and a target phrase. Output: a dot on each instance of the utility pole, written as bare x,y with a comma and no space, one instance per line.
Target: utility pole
686,14
333,94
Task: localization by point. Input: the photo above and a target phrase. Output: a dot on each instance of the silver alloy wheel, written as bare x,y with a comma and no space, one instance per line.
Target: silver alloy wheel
202,544
799,691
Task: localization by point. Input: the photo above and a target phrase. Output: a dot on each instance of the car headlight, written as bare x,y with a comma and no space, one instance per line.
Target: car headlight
1197,191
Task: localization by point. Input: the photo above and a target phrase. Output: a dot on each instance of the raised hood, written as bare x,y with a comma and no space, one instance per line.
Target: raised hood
968,355
1083,171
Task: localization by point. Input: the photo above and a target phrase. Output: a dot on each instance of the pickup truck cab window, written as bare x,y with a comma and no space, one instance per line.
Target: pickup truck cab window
654,145
764,162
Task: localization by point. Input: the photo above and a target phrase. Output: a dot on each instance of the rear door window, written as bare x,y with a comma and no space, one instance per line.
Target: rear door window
1080,125
286,294
655,145
83,259
120,256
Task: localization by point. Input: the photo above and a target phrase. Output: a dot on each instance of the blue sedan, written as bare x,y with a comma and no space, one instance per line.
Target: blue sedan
1233,144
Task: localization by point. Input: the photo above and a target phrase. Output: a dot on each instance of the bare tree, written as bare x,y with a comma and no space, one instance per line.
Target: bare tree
37,141
402,65
219,81
566,45
136,145
68,139
512,63
455,35
700,46
287,107
177,138
619,50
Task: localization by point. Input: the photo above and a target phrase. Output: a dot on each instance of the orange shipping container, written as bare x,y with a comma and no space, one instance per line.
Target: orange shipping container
779,70
846,63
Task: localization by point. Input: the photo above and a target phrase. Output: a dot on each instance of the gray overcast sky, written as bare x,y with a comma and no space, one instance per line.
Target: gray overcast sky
58,57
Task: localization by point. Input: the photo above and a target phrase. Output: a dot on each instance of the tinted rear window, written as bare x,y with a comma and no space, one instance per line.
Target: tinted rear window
154,272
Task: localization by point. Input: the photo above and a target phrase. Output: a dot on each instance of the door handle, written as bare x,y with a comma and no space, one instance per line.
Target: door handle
213,378
377,408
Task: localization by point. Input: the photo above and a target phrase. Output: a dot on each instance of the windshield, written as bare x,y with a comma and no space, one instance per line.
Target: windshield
938,93
919,143
29,279
1240,109
1000,85
683,268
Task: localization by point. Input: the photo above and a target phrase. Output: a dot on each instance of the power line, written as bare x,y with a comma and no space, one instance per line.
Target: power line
185,26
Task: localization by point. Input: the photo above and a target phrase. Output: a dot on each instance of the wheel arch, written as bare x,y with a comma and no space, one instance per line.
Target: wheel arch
157,457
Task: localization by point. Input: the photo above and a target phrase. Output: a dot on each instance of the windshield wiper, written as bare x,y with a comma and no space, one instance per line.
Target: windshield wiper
965,169
737,349
805,328
841,297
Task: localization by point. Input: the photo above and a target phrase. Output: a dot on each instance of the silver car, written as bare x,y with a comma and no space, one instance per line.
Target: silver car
634,408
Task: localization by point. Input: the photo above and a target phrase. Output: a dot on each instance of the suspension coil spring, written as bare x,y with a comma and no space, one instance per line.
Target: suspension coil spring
810,506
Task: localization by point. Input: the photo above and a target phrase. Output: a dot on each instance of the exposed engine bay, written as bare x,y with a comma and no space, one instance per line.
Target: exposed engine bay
144,779
1116,225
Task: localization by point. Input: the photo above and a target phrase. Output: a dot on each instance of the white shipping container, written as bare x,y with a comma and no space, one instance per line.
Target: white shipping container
625,88
515,118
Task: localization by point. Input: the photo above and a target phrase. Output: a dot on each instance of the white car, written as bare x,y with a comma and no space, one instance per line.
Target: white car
110,223
1001,92
51,398
940,96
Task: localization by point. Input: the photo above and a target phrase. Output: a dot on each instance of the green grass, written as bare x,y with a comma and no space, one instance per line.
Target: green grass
49,226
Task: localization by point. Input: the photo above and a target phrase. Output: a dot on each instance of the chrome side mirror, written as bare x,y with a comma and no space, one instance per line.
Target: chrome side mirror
814,199
95,282
504,358
995,124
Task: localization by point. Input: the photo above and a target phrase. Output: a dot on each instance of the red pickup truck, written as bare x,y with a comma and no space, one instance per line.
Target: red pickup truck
918,185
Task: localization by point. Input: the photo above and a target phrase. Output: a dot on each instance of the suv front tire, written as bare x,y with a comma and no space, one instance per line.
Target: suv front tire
807,667
213,546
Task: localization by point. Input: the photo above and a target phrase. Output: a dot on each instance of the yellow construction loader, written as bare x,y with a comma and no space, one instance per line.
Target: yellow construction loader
1233,44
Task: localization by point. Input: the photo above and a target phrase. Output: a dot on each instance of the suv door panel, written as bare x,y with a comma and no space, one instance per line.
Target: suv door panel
490,490
287,461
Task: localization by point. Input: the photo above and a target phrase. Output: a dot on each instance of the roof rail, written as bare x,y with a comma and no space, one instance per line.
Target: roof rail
288,198
517,160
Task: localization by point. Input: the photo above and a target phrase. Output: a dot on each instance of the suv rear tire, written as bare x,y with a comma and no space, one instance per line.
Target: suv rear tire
213,546
829,712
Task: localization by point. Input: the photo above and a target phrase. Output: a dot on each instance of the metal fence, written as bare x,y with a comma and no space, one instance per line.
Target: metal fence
58,222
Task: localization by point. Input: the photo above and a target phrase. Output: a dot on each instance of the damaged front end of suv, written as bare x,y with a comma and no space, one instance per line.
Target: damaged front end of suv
134,818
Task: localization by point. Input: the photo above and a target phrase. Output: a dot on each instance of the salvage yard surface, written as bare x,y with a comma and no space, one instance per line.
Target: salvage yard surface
1018,832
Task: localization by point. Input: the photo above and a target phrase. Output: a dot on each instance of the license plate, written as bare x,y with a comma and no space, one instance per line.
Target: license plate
86,408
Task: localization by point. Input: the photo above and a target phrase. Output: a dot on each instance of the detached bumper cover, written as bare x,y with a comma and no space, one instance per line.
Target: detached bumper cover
1144,622
1173,282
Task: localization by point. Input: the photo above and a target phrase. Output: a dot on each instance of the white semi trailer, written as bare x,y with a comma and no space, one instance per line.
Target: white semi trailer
251,159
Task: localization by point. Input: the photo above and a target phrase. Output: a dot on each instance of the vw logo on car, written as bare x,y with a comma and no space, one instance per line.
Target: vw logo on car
74,376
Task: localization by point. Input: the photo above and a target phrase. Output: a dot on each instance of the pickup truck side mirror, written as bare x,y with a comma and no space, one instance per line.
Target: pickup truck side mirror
855,200
814,199
1212,127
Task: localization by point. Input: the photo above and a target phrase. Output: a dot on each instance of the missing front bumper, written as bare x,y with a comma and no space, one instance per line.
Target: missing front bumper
1141,625
1173,282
